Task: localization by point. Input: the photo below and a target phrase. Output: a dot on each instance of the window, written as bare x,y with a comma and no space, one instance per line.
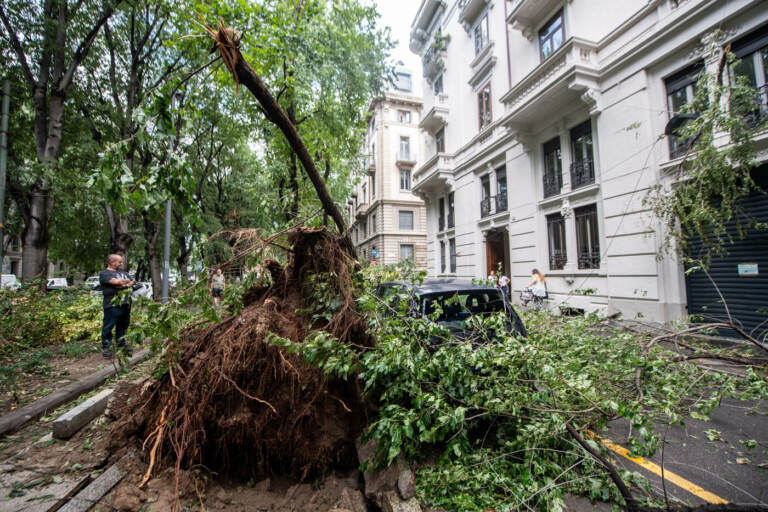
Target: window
437,85
480,34
405,179
406,252
556,236
363,229
405,149
405,219
373,185
553,168
451,220
404,116
441,214
373,223
681,90
365,193
452,254
587,239
440,141
485,193
582,167
552,36
403,82
501,189
753,67
442,256
484,106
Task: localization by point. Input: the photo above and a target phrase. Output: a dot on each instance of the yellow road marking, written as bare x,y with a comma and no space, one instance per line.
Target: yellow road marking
656,470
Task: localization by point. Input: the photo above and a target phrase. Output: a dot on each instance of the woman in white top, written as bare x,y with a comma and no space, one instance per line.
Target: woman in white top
538,286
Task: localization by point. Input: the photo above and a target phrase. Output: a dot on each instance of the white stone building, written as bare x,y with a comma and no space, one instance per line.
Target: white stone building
388,222
544,130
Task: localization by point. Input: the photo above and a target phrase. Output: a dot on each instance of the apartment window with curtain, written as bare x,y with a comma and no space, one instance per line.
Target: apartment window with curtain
451,209
405,149
587,236
442,256
556,241
552,36
501,189
441,214
404,116
753,68
681,90
553,168
480,34
405,179
452,254
484,106
583,165
406,252
440,141
405,220
485,196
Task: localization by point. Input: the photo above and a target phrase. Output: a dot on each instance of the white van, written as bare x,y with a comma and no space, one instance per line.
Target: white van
10,281
57,283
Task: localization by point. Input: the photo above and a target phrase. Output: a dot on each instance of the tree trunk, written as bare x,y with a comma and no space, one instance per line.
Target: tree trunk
293,212
34,258
120,240
151,233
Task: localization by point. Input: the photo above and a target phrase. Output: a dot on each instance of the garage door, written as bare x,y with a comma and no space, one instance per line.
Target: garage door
741,276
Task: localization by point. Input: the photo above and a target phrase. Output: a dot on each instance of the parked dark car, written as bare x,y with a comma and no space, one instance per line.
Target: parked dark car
458,300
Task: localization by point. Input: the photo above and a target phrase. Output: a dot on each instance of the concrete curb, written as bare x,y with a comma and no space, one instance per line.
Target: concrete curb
66,425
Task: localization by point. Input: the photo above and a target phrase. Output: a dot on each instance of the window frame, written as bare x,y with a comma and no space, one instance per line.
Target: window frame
587,230
438,80
405,184
561,16
484,106
440,140
552,147
441,211
452,254
442,257
405,156
404,116
684,79
484,33
373,223
451,220
552,220
413,252
400,220
399,75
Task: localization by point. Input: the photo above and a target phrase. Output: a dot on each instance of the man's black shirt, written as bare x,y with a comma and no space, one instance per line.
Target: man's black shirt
109,290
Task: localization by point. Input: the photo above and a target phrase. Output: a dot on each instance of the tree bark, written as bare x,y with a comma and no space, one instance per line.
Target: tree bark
243,73
35,237
151,233
120,240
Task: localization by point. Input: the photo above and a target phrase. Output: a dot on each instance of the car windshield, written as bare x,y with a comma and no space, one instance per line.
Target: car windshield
457,307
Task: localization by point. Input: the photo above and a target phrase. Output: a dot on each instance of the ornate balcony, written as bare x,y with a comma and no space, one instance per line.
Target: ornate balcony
493,205
405,159
437,117
582,173
526,15
434,176
553,183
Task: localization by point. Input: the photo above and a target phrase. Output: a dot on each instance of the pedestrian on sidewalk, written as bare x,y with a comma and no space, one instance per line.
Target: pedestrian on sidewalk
538,287
503,284
218,284
117,312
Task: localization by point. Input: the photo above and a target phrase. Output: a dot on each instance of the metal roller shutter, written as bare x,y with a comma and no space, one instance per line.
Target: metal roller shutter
746,295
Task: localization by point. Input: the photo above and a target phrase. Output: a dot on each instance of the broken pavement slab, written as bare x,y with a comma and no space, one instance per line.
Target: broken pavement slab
66,425
88,497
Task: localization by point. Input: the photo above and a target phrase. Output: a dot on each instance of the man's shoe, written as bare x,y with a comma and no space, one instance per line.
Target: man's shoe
107,354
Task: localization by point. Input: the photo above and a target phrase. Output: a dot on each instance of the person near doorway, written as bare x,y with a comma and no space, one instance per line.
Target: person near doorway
504,285
218,284
117,312
538,287
492,278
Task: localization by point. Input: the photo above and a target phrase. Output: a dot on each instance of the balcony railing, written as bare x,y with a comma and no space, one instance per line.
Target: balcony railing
582,173
405,157
557,259
493,205
553,183
589,259
451,221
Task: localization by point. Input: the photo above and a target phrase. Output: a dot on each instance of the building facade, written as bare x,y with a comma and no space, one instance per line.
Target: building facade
388,221
544,131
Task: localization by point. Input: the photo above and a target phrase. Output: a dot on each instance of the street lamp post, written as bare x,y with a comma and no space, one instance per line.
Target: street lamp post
167,237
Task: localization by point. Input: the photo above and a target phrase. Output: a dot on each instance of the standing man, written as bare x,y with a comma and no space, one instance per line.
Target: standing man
503,284
217,286
116,315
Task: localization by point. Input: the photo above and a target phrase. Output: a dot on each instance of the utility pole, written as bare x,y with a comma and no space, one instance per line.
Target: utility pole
3,163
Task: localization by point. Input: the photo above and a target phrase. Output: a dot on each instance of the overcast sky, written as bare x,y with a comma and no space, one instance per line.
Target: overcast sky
398,15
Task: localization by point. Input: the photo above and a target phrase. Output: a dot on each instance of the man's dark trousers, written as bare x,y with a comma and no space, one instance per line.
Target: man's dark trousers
118,318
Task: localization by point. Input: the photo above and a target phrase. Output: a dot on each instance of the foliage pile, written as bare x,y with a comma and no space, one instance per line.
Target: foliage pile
498,415
232,401
34,319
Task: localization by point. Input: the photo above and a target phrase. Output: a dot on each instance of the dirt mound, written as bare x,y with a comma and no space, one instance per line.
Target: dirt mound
233,403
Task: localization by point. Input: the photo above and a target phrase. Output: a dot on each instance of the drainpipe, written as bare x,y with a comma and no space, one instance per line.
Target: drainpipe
509,58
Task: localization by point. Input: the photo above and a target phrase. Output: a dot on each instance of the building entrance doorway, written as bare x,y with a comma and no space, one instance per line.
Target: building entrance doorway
497,251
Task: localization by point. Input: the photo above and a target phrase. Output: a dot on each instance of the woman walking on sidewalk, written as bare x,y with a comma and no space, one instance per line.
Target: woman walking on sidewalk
538,287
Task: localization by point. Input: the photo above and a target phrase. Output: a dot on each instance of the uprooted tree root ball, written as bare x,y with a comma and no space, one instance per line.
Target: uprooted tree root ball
232,402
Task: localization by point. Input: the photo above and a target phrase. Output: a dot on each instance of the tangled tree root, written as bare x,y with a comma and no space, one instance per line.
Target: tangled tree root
233,403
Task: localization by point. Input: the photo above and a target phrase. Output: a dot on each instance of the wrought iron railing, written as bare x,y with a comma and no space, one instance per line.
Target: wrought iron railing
557,259
492,205
553,183
589,259
451,222
582,173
